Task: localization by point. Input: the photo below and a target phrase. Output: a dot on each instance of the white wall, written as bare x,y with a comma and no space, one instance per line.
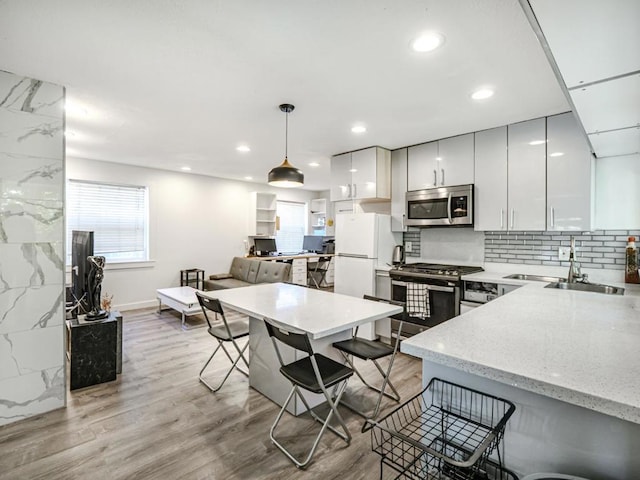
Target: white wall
194,222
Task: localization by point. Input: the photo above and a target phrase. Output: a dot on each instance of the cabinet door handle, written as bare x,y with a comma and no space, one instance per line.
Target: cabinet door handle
355,191
404,219
435,178
501,219
349,196
553,217
513,214
442,177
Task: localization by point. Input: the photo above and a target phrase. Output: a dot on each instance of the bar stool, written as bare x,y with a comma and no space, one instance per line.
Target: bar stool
227,332
314,373
374,351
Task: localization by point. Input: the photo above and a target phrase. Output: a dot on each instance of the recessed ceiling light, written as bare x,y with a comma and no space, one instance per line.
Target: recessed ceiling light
248,178
537,142
185,169
243,148
482,93
353,170
314,164
427,42
359,129
556,154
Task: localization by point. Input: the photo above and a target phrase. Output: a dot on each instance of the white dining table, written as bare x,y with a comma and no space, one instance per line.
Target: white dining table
326,317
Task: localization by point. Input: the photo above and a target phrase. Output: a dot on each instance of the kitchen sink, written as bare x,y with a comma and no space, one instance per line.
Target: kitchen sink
588,287
535,278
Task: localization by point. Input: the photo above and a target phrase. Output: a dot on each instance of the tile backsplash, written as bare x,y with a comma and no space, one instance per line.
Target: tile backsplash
595,249
598,249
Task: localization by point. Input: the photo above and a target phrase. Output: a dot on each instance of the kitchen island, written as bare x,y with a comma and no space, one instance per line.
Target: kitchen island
569,360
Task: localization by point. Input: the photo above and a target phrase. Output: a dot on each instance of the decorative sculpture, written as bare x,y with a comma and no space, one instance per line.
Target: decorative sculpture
96,274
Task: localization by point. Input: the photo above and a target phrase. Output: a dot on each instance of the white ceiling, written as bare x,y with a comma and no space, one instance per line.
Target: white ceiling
174,83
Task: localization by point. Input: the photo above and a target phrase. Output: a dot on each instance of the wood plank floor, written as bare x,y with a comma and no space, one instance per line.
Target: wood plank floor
157,421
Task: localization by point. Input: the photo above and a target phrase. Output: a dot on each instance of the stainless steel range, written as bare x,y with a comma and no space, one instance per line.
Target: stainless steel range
432,293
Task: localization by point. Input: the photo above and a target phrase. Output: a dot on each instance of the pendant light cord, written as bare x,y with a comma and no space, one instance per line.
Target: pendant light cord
286,135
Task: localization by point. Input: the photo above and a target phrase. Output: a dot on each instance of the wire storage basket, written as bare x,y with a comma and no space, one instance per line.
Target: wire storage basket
447,431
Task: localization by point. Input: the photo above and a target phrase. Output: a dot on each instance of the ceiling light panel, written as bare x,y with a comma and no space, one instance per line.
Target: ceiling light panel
427,42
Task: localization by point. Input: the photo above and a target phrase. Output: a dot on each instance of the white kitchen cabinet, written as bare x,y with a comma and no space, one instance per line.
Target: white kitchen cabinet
421,166
398,190
341,177
442,163
361,175
527,175
490,192
299,271
262,215
455,160
569,175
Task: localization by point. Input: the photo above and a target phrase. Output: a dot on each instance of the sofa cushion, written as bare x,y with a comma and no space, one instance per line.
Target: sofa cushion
244,269
224,284
272,272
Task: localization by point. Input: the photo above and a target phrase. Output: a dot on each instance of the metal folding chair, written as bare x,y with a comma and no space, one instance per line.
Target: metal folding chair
374,351
315,373
226,332
317,270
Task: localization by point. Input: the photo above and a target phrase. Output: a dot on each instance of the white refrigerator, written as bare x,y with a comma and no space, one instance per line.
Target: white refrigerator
363,241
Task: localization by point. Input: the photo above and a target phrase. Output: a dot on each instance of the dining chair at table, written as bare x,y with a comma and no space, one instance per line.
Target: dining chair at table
314,373
373,350
225,333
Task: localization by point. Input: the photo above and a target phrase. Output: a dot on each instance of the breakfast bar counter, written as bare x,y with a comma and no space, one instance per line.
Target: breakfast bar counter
570,360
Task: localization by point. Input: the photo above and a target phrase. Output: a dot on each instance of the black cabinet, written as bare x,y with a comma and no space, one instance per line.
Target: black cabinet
95,350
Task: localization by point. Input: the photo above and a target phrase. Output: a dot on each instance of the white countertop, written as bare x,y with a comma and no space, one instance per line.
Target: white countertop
579,347
316,312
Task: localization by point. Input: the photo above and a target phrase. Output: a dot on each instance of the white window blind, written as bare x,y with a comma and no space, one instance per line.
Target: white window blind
293,222
117,214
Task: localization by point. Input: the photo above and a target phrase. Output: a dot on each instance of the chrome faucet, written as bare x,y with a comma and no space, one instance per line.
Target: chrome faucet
575,275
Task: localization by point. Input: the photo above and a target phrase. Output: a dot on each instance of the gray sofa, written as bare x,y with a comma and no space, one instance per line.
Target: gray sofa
246,271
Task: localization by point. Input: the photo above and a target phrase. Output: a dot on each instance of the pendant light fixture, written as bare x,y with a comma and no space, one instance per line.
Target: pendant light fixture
286,175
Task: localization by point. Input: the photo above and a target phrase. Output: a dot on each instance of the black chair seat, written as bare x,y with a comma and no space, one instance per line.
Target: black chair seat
237,329
301,373
364,349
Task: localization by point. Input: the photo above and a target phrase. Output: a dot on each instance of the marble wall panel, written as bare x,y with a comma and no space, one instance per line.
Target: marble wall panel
30,134
28,395
32,357
30,95
23,309
31,264
16,351
30,178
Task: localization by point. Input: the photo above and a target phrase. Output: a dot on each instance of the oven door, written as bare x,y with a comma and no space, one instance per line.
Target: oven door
444,301
444,206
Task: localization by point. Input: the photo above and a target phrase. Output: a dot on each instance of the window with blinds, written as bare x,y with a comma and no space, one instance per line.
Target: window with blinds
293,223
117,214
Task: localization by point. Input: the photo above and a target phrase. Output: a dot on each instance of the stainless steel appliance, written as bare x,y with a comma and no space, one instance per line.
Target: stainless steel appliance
398,255
440,207
443,291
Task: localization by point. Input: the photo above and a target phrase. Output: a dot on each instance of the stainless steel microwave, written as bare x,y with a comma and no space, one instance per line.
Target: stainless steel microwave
440,207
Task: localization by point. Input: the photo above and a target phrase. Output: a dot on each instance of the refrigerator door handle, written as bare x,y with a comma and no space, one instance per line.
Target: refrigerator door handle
351,255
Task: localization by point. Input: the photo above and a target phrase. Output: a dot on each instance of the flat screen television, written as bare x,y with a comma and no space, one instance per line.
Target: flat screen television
81,248
312,243
265,246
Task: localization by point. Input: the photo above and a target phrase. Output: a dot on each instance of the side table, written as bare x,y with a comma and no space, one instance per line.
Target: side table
192,277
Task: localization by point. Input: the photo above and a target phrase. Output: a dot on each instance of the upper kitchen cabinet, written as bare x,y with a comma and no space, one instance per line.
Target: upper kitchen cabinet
443,163
422,166
262,214
526,176
491,180
361,175
569,175
398,190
